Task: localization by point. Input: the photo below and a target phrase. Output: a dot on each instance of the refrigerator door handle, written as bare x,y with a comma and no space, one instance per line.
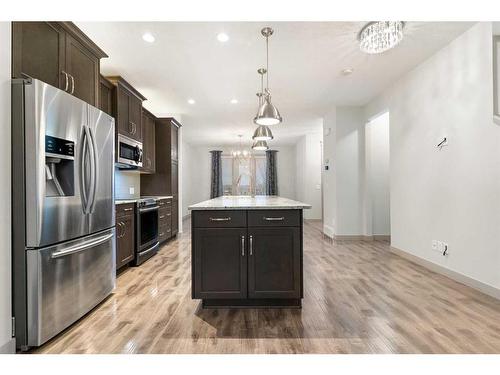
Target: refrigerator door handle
94,171
83,166
81,247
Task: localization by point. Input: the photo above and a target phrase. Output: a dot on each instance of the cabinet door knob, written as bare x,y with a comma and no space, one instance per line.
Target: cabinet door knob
242,246
251,245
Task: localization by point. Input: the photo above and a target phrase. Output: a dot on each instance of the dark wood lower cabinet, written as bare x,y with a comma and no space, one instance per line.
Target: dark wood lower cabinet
220,263
274,262
125,235
245,263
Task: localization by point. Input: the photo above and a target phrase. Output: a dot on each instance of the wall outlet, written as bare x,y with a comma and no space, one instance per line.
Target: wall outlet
131,190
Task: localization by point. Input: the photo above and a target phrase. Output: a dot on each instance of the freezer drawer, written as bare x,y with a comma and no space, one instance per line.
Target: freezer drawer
66,281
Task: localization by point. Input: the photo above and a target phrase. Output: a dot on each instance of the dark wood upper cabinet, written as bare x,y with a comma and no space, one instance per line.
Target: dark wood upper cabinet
220,263
57,53
148,142
105,95
175,140
164,181
127,108
83,69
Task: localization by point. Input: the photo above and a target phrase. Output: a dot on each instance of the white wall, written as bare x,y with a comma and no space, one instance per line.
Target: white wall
451,195
349,171
187,184
6,342
329,176
378,176
197,178
308,167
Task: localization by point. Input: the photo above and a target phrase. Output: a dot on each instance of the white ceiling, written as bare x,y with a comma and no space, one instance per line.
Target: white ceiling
306,59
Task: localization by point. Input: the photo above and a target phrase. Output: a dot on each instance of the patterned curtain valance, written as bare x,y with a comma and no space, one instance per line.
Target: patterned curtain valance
216,180
271,173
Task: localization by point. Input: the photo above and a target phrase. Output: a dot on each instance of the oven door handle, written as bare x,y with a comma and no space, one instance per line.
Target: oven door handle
142,210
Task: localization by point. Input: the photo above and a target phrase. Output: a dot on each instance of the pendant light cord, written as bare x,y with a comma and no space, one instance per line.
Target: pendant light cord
267,62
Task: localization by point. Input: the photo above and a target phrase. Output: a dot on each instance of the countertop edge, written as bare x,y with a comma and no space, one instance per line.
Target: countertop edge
133,200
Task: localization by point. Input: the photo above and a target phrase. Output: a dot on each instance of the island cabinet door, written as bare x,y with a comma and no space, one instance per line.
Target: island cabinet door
274,269
220,263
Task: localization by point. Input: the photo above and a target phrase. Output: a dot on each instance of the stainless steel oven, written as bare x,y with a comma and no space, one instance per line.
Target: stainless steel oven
146,233
129,152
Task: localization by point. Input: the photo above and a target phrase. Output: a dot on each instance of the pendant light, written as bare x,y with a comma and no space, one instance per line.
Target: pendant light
260,146
262,133
267,114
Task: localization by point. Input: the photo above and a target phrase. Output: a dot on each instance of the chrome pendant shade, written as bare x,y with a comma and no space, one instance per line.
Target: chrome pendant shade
262,133
260,146
267,113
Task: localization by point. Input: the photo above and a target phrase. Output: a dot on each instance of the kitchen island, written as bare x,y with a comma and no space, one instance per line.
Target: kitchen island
247,252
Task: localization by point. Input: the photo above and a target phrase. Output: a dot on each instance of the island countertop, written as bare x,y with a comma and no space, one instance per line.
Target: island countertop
244,202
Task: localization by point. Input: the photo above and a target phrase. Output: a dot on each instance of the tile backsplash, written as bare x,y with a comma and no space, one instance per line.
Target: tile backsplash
127,184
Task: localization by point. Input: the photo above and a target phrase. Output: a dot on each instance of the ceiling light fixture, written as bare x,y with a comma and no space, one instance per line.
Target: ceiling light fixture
222,37
267,114
148,37
380,36
241,153
234,101
262,133
191,101
347,71
260,146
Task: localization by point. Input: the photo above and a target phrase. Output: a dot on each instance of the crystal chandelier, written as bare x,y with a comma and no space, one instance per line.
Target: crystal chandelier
267,114
380,36
241,153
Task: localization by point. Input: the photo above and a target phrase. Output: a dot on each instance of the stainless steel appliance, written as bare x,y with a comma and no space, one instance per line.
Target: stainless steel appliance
129,153
63,209
146,233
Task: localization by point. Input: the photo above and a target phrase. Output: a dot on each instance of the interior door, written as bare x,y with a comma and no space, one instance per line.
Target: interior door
101,207
54,122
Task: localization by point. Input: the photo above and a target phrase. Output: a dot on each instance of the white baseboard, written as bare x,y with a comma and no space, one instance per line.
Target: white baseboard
9,347
459,277
382,237
352,238
328,231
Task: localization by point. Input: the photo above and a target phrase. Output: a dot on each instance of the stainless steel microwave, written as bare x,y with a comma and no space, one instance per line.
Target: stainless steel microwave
129,152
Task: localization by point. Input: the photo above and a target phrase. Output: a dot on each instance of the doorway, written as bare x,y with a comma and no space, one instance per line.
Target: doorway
377,177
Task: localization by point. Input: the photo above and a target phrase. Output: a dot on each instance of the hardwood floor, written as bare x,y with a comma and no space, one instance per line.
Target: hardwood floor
359,298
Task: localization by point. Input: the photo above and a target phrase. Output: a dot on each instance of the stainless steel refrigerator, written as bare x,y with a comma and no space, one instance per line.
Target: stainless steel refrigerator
63,209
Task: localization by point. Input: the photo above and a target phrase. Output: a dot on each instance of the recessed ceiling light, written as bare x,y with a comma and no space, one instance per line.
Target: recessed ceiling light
347,71
222,37
191,101
234,101
148,37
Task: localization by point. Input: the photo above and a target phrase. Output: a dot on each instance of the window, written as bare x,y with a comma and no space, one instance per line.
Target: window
240,176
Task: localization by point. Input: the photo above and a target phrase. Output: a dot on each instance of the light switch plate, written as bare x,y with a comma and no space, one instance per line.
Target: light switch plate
131,190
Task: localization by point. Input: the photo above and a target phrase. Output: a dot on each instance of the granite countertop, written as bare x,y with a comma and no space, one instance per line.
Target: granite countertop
259,202
133,200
